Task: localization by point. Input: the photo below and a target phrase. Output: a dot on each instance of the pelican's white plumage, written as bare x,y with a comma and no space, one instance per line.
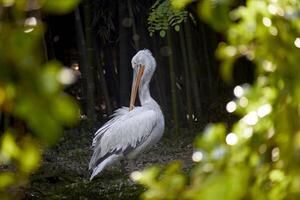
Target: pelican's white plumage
130,132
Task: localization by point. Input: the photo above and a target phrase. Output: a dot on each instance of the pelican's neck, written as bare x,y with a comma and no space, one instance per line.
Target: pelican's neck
144,94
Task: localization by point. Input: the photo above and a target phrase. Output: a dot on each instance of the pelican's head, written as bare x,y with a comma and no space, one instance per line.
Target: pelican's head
144,59
143,64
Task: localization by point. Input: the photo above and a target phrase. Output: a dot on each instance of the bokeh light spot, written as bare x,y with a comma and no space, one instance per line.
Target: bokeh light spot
275,154
264,110
243,102
231,139
231,106
238,91
297,42
251,118
66,76
197,156
31,21
136,175
267,21
248,132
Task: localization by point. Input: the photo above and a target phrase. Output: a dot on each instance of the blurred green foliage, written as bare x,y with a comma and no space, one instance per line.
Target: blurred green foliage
259,156
163,15
33,107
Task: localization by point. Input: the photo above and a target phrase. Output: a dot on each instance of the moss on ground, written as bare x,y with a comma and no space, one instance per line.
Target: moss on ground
64,172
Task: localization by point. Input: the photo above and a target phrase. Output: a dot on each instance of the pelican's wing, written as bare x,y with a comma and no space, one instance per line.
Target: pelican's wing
126,130
115,117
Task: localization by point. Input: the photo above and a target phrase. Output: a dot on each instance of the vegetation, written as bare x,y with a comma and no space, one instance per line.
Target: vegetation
163,15
33,108
258,156
254,158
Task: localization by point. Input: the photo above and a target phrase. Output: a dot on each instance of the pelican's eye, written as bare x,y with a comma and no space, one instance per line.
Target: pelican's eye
133,65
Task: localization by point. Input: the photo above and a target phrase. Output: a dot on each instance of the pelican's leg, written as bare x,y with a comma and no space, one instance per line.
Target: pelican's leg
132,165
123,167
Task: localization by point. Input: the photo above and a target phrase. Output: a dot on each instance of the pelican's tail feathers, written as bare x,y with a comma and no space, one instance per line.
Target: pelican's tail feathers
108,161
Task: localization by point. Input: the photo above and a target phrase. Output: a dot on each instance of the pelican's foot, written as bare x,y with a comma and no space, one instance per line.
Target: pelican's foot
131,165
127,166
123,169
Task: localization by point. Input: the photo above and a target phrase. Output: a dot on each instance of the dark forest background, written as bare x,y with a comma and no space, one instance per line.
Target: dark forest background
99,39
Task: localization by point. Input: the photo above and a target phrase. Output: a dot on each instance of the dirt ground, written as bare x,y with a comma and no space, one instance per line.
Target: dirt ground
64,172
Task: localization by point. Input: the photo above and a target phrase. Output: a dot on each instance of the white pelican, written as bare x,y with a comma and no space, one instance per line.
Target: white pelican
132,130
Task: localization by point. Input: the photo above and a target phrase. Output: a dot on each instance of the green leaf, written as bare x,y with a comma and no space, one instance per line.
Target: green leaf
226,70
162,33
216,13
6,179
30,156
214,134
179,4
9,148
60,6
163,16
49,84
48,132
65,110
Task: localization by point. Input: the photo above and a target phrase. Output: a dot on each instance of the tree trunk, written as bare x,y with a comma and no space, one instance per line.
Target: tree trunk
134,30
103,83
38,14
159,81
88,79
173,84
124,44
187,80
207,61
49,41
193,65
88,34
112,73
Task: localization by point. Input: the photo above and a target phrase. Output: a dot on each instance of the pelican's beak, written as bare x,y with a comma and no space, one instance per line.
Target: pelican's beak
135,86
